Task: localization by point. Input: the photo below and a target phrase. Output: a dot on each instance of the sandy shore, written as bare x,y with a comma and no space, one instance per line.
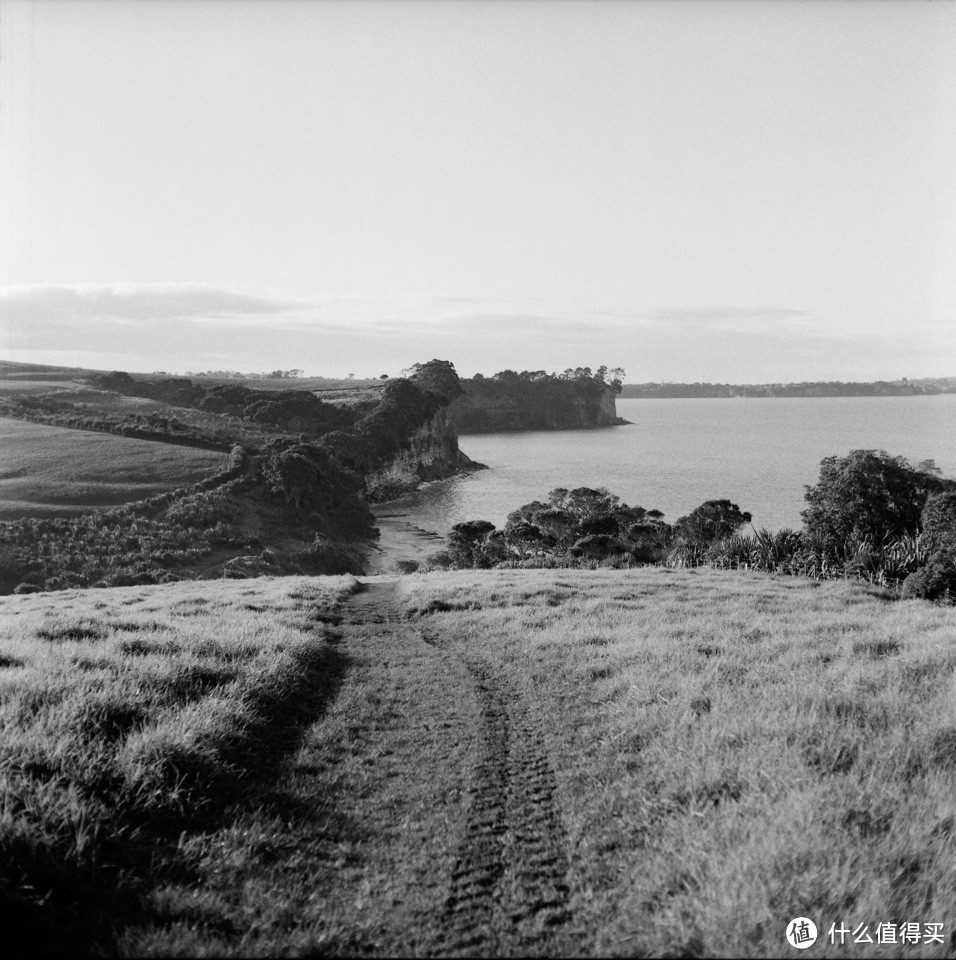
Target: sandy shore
400,540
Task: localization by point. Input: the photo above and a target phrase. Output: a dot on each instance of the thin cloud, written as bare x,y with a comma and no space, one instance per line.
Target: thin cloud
711,313
133,303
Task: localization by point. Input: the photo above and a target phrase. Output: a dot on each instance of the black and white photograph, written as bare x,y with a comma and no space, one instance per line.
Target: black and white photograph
478,478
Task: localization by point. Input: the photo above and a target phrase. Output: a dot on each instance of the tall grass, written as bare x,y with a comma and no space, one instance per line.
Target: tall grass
886,563
128,717
731,751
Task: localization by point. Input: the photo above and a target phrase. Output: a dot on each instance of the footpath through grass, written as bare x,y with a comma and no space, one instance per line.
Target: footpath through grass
630,763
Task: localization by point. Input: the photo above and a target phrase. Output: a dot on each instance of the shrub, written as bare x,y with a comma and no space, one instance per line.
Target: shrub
466,543
868,494
713,520
936,580
939,522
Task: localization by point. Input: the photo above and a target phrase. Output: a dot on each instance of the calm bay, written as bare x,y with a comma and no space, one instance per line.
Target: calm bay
675,454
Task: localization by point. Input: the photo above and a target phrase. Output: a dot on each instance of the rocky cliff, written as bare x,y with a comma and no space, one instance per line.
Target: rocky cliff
406,439
432,454
541,405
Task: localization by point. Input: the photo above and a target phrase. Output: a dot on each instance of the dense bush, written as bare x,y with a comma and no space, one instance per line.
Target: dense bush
309,478
707,525
869,493
387,429
574,528
872,516
289,411
936,580
299,490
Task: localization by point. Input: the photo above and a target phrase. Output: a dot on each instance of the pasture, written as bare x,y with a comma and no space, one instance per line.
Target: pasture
646,762
52,471
130,716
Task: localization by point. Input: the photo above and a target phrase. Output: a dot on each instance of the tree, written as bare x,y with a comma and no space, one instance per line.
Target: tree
868,493
467,540
936,579
713,520
438,377
584,503
938,520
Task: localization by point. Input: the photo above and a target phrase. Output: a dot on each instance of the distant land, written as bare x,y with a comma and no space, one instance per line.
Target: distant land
814,388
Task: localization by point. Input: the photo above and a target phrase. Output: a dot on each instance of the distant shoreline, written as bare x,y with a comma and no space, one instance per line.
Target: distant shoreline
810,389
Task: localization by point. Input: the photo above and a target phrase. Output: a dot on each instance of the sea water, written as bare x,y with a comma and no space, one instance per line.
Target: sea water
675,454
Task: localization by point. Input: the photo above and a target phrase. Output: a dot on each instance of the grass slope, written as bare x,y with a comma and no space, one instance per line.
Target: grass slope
731,751
633,763
50,471
131,718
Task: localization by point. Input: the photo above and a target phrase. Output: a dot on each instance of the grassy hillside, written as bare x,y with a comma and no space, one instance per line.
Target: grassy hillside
640,762
50,471
130,720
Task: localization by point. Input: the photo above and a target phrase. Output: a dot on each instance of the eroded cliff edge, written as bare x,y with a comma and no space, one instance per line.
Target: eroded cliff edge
535,400
408,438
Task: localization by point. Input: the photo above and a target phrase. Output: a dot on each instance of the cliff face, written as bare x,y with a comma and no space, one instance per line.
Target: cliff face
407,438
432,454
477,412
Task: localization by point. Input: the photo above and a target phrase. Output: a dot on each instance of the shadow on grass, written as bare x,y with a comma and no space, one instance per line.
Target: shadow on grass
57,905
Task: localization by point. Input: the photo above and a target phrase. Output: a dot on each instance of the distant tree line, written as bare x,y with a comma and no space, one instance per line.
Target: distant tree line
831,388
236,375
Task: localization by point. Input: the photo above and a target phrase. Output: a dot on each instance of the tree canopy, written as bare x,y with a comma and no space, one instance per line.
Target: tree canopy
869,493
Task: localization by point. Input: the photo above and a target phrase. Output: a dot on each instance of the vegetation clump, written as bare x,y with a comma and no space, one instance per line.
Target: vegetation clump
936,579
871,515
294,493
289,411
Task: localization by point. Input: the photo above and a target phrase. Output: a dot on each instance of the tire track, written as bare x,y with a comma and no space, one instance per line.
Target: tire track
509,890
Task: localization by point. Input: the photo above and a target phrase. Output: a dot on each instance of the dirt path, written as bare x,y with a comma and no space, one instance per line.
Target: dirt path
509,887
503,888
508,892
418,815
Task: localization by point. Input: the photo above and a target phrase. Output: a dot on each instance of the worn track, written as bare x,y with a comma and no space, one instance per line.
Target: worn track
509,887
507,892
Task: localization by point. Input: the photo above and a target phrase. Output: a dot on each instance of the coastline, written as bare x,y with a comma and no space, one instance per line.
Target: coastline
399,540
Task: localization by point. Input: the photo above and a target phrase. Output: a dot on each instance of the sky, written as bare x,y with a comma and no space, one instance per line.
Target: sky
755,191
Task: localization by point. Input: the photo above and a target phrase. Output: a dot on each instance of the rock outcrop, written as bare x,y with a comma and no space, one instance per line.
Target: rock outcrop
432,454
535,406
408,438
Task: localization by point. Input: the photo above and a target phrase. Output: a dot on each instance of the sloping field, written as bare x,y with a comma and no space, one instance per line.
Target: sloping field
14,387
130,720
629,763
51,471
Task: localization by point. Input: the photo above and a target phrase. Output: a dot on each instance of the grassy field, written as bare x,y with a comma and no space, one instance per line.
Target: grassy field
632,763
129,720
50,471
